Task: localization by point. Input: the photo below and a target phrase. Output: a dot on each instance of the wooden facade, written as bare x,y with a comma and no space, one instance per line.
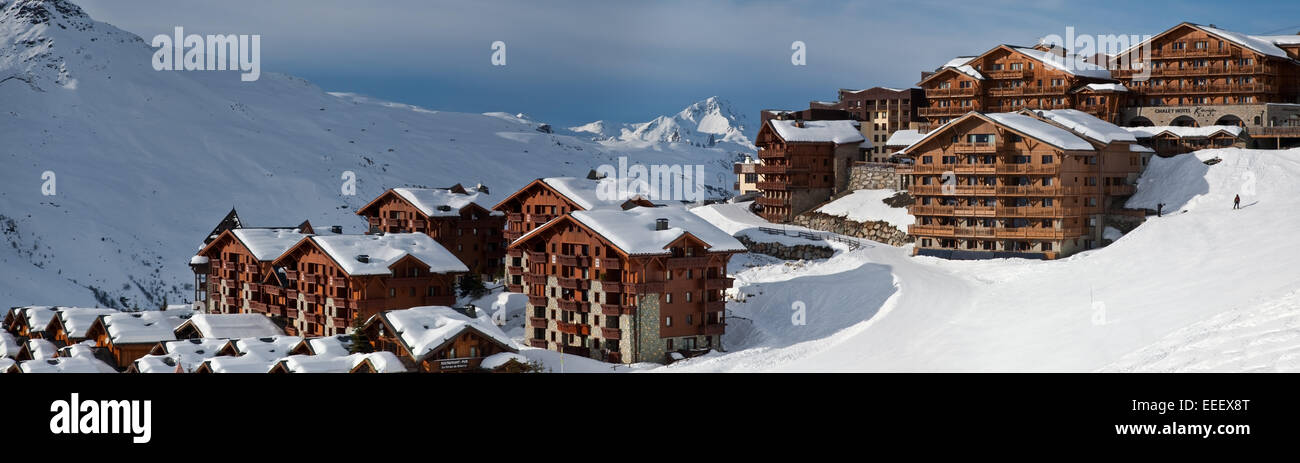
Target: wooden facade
462,351
473,234
985,189
588,297
237,281
882,111
527,209
322,299
1007,79
798,175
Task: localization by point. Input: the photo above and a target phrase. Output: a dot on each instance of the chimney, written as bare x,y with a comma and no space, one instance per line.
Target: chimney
444,208
336,229
661,224
798,123
363,258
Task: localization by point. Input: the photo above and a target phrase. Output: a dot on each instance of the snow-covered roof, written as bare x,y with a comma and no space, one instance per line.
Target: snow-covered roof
1291,39
228,326
385,250
1041,131
382,361
1106,87
634,231
66,365
1184,132
904,137
428,200
41,348
337,346
423,329
1070,64
188,353
265,347
1136,148
144,327
496,360
77,320
8,345
585,192
240,364
38,316
198,260
266,244
5,363
1088,125
1258,44
838,132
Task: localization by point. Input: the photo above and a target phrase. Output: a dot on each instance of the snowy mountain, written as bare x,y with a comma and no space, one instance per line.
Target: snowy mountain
115,172
707,123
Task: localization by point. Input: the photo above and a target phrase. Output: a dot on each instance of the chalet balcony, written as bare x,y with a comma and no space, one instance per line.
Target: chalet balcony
515,216
341,302
965,168
1039,233
256,306
338,283
275,310
1009,74
539,219
931,230
1283,131
291,274
1189,53
290,293
777,202
611,286
538,343
931,210
772,185
686,262
373,221
516,252
535,257
574,306
534,322
715,306
272,290
611,263
511,236
310,278
719,283
974,190
534,279
230,301
1038,169
571,283
1169,71
1209,88
977,232
515,288
932,93
769,153
652,287
974,211
1047,90
537,301
715,328
291,312
1039,190
310,317
339,322
230,265
610,310
573,328
610,333
974,147
1037,211
777,169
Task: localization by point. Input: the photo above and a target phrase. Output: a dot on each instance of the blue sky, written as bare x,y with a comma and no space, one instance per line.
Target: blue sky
572,62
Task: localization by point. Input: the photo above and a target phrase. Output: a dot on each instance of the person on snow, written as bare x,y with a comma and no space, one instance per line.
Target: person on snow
1236,202
1160,208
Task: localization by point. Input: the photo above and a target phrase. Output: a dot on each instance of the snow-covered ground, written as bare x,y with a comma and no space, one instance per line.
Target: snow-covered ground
1202,288
868,205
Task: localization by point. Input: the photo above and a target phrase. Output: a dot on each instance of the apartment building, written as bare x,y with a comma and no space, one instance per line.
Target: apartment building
1032,184
456,217
233,271
804,163
639,285
1009,78
335,280
747,177
881,111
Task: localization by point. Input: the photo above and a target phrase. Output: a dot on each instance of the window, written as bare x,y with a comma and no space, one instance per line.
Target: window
689,320
668,321
668,298
688,299
392,292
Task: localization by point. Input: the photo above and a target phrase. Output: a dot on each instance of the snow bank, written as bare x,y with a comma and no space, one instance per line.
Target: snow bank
868,205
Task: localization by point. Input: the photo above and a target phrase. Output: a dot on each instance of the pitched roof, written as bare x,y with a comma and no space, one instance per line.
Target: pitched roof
1070,64
143,327
266,244
66,365
382,361
838,132
634,230
1041,131
904,137
77,320
432,201
424,329
1087,125
227,326
187,353
1184,132
384,250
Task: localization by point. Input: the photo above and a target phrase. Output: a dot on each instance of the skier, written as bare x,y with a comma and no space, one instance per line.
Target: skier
1160,208
1236,202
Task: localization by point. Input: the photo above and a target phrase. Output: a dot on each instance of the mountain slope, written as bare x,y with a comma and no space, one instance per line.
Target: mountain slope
146,162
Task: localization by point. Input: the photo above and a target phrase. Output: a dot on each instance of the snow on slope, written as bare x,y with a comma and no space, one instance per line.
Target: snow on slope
1206,289
146,162
709,122
868,205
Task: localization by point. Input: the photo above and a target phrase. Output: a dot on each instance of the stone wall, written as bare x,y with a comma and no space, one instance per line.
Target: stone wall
878,230
874,176
786,251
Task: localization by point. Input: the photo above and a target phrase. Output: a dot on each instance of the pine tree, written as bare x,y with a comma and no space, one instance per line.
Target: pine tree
360,342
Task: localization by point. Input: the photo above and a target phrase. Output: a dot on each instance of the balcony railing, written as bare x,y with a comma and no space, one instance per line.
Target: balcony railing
534,322
932,93
535,257
574,306
1040,169
651,287
931,230
610,310
772,185
611,286
686,262
573,261
719,283
766,201
538,343
610,333
537,301
976,147
571,283
534,279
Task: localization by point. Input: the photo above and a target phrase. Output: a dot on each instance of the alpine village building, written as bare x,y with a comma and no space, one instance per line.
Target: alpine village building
644,284
804,163
1033,184
459,218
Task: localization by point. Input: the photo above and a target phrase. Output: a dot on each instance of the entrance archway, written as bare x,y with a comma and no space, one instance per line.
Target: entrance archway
1230,120
1184,121
1140,121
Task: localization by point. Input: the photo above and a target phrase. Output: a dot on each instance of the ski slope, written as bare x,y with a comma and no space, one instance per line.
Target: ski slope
1204,288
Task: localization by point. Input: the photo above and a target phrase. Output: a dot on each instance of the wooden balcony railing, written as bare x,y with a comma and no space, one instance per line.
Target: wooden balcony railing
772,185
686,262
534,322
651,287
537,301
538,343
610,333
766,201
719,283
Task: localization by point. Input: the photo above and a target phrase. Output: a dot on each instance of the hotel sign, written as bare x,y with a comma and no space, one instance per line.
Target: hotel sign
1198,111
453,364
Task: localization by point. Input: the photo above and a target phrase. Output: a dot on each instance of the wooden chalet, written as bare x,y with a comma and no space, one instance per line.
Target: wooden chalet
436,339
804,163
456,217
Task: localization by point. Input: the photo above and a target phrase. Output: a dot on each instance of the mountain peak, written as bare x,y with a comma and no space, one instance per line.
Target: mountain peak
706,122
62,13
